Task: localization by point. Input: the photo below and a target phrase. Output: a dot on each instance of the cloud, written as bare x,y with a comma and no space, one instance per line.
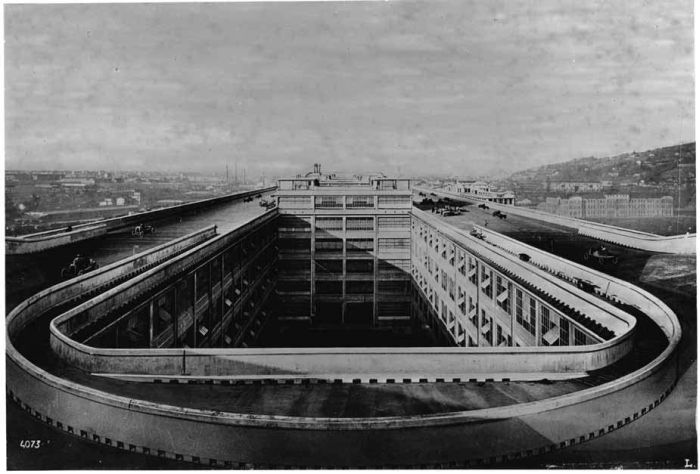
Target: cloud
428,87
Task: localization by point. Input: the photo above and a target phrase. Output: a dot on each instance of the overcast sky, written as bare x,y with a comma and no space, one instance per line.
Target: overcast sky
464,88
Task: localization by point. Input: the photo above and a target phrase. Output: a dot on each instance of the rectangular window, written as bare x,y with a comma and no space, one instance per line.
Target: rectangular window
295,202
354,202
394,308
329,266
359,245
359,266
394,244
357,287
293,286
294,265
329,287
394,200
359,223
399,287
295,245
394,267
329,245
394,222
329,223
293,224
329,202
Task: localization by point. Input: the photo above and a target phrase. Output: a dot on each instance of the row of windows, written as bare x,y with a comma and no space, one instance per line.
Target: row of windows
323,287
351,202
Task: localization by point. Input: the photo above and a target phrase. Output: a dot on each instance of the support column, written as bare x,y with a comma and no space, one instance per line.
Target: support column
194,308
538,323
176,317
150,323
511,305
223,303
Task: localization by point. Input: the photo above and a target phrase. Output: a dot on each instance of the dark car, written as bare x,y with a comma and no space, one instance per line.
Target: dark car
79,266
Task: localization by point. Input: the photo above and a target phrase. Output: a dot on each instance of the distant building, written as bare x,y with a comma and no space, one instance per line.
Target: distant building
612,205
120,201
481,191
576,186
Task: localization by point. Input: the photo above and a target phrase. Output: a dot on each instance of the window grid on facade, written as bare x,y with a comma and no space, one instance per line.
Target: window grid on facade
294,202
393,200
359,245
394,244
329,202
394,222
329,223
354,202
359,223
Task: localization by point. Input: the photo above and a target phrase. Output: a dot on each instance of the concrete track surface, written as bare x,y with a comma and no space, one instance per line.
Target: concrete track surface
668,430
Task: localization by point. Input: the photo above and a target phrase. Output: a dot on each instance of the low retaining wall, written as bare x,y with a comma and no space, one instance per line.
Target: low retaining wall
42,241
677,244
344,363
470,438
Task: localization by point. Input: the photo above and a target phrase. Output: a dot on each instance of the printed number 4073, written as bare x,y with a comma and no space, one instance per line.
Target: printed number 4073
30,444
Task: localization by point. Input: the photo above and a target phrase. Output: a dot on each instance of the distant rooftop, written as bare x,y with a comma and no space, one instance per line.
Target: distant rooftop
318,179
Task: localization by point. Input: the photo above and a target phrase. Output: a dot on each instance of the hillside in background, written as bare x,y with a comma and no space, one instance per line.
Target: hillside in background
648,168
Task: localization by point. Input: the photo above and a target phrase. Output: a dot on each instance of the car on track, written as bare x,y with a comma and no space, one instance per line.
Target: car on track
79,266
143,229
602,255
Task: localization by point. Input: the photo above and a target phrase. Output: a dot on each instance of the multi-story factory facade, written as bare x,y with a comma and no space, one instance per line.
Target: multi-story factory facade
345,250
478,303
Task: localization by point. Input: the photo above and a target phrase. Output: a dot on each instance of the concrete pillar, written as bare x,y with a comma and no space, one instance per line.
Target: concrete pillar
313,266
223,302
511,306
538,324
176,315
194,307
477,302
151,310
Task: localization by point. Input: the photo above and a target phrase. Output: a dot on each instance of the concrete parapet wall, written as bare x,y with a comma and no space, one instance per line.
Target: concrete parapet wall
42,241
340,362
677,244
221,439
39,243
